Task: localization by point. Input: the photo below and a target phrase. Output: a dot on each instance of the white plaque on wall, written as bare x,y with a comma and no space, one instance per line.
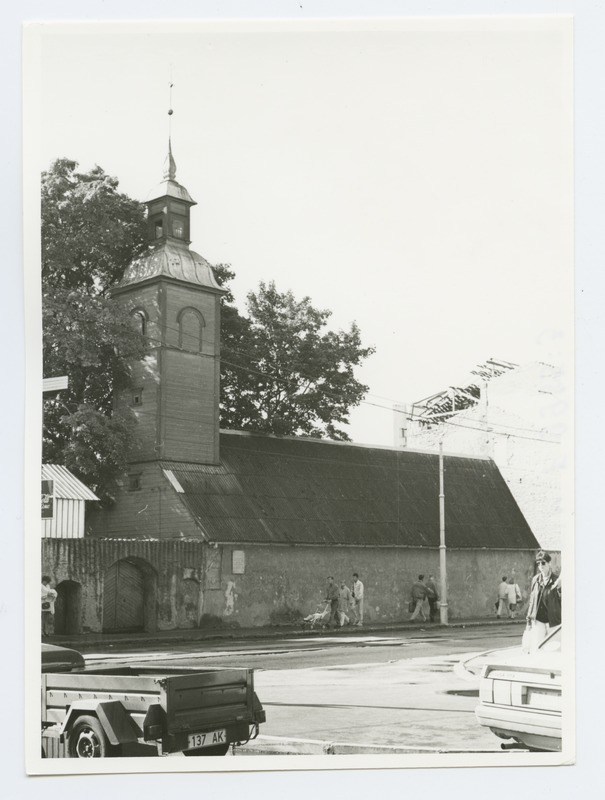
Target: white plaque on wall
238,562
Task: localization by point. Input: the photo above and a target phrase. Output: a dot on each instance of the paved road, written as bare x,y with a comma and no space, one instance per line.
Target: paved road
360,691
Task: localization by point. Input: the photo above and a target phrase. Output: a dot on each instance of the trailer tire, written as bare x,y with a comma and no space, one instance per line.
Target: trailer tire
87,739
216,750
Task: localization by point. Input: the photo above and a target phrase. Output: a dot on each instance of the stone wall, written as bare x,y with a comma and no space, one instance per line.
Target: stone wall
282,584
176,568
248,586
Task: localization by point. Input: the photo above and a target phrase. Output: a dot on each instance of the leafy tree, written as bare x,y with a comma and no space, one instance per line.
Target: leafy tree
90,233
283,372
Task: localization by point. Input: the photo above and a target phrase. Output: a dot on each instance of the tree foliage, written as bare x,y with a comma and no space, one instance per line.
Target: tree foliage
284,372
90,232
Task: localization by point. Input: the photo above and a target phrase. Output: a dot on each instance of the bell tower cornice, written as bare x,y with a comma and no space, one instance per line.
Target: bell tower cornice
168,208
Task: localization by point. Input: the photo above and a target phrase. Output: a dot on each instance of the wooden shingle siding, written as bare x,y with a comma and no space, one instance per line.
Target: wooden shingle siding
145,376
189,410
178,298
178,413
154,511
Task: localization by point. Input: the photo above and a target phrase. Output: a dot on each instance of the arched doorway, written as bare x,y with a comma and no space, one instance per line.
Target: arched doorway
129,597
68,608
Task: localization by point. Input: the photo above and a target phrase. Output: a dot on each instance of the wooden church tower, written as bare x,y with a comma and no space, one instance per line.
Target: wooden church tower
173,296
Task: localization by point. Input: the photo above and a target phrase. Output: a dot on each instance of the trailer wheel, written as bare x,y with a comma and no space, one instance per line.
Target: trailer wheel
87,739
216,750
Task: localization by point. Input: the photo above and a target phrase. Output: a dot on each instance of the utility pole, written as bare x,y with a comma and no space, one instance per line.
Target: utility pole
442,561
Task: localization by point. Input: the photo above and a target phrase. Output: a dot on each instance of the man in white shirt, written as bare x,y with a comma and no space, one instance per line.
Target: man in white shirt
49,595
514,596
357,592
501,608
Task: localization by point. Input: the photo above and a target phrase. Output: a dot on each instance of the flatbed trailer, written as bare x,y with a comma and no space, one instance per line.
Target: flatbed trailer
135,710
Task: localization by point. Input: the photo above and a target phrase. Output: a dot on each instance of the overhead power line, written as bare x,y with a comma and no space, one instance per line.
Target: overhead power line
492,428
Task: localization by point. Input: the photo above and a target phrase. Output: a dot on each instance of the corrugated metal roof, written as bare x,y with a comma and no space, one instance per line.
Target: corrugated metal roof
303,491
66,485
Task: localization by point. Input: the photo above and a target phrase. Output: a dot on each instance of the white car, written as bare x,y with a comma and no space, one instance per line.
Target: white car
520,697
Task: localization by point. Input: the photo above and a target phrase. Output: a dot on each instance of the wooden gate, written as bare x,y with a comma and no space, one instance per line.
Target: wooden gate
123,598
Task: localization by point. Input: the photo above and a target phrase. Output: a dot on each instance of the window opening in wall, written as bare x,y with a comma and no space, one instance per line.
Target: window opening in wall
178,228
140,321
159,229
134,482
137,397
191,324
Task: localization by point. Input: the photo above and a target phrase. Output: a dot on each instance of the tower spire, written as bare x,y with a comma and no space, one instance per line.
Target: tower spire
169,164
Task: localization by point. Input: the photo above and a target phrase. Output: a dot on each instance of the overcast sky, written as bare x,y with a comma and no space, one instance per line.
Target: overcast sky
415,178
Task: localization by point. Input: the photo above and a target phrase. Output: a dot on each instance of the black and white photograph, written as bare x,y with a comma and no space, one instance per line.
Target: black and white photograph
300,350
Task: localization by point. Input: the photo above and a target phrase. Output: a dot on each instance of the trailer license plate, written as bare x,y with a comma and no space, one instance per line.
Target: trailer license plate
207,739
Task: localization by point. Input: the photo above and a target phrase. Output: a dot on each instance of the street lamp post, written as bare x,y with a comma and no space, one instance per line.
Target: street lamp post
442,560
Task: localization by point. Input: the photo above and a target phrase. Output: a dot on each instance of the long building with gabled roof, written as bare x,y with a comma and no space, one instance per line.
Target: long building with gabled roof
214,525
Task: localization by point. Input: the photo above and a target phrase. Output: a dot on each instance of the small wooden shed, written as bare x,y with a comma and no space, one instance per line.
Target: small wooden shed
63,503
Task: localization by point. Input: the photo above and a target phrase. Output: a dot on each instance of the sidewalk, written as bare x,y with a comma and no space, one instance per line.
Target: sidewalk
235,633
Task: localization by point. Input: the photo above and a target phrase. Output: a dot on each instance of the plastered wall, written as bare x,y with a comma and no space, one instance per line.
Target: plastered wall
194,583
283,584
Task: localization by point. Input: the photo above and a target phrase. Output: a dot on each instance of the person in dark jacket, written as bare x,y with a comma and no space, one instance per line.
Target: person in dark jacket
333,596
433,598
544,606
419,592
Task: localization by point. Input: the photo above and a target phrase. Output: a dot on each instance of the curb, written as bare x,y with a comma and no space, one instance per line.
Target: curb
275,745
196,635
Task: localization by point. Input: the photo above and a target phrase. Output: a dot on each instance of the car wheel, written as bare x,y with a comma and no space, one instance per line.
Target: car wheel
216,750
87,739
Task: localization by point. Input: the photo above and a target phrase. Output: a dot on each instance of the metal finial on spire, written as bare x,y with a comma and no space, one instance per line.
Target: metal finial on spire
170,164
170,111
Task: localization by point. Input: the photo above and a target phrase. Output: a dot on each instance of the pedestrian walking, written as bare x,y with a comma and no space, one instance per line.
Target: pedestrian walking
433,598
49,595
502,600
344,604
418,595
544,606
332,597
513,597
357,591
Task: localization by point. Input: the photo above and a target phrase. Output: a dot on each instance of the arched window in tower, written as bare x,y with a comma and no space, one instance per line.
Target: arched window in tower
191,325
139,319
